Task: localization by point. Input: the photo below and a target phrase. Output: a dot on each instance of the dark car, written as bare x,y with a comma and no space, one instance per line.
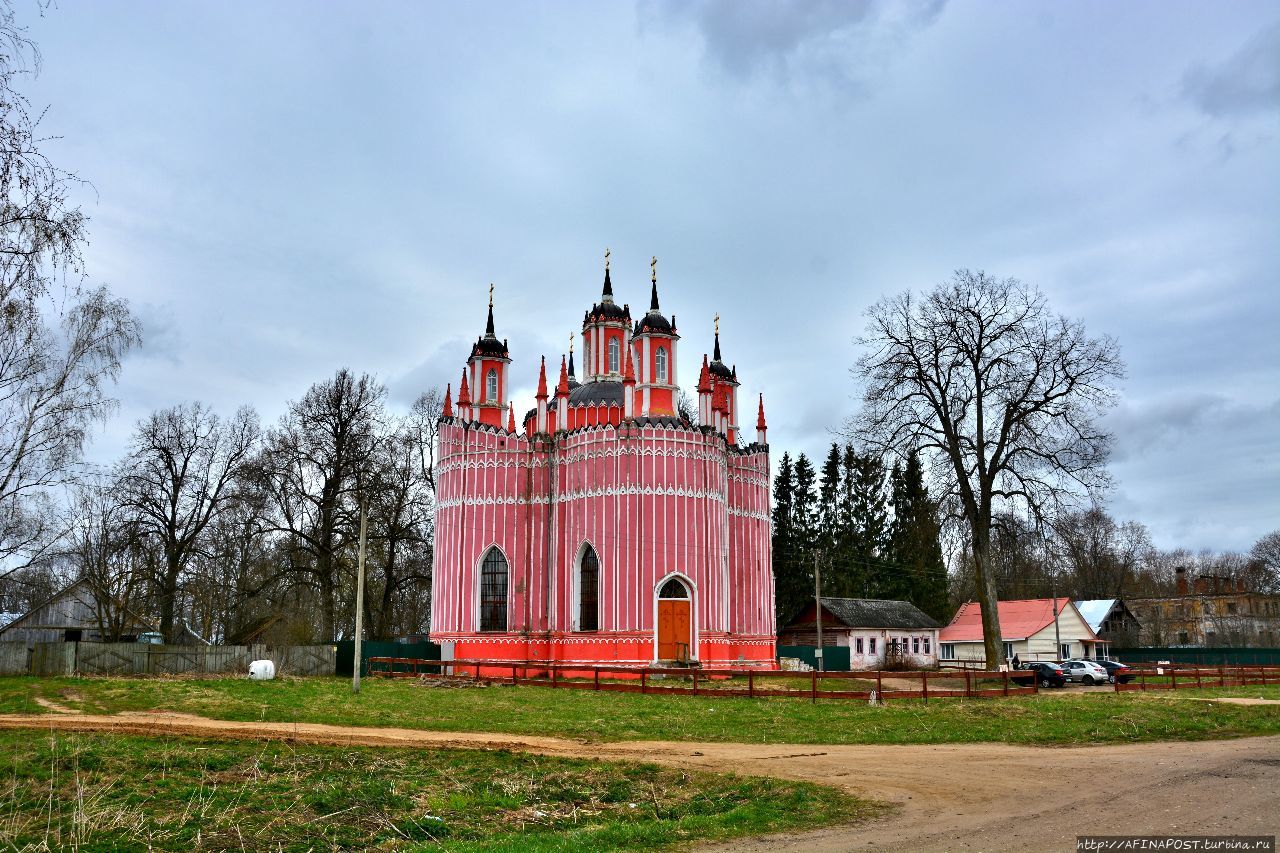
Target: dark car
1117,671
1048,674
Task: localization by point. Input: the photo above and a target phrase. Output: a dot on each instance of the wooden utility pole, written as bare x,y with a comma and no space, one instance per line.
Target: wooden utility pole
355,670
817,601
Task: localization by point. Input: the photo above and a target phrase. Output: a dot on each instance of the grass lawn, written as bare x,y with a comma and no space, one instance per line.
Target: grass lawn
105,792
1071,718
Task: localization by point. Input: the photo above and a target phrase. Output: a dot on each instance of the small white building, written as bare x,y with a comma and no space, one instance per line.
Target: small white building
875,630
1027,627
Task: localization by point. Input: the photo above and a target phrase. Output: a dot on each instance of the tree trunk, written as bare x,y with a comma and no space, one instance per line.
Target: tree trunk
168,596
993,643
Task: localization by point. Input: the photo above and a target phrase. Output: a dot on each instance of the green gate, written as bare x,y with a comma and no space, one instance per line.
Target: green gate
381,649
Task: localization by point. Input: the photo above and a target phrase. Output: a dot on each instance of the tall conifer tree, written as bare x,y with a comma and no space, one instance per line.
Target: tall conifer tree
790,581
914,541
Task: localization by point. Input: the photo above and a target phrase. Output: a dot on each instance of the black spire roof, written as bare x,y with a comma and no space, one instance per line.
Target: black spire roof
606,308
654,321
488,344
718,367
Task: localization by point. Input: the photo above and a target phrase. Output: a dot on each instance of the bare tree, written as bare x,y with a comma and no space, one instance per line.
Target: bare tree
1000,395
313,462
106,551
1100,557
1264,570
61,345
177,479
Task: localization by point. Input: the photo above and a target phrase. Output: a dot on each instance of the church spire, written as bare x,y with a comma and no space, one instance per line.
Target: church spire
715,356
488,327
653,279
511,418
761,427
607,295
448,402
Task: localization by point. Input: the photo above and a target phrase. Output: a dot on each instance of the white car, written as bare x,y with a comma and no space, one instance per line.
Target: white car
1085,672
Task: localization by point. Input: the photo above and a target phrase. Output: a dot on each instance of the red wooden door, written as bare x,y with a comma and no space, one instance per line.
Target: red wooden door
673,629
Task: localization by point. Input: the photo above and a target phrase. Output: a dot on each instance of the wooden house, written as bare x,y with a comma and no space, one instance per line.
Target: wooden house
1030,629
72,614
876,631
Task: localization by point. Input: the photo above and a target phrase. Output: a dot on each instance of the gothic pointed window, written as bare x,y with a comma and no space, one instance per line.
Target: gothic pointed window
660,364
589,591
491,386
673,588
493,592
613,355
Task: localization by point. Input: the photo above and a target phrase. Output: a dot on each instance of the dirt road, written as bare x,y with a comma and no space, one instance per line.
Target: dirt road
989,797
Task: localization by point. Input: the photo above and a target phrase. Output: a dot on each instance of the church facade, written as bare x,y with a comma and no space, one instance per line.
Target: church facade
604,526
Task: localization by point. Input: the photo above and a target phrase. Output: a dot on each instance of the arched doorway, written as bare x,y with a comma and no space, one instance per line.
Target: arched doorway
675,621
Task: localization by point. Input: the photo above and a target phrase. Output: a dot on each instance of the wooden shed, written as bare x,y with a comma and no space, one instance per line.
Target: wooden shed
73,614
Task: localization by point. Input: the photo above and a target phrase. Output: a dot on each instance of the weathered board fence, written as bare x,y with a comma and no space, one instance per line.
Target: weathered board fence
84,658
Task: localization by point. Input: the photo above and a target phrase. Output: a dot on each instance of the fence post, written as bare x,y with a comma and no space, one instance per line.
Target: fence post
924,685
814,687
751,685
1222,676
1173,679
597,671
879,688
644,680
1005,673
968,690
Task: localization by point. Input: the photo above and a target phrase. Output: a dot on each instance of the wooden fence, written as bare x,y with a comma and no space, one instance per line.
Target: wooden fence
85,658
1184,676
884,684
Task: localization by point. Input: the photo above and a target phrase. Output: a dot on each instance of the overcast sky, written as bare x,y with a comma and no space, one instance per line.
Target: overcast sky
285,189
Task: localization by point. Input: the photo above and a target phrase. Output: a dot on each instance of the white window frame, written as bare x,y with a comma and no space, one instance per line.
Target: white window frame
615,356
948,651
1064,650
660,365
491,385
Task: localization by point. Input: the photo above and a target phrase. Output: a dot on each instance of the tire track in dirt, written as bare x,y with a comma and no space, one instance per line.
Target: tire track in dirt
991,797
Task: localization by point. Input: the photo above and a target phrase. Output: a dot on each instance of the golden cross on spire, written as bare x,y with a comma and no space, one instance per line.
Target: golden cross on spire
606,257
717,324
490,294
653,265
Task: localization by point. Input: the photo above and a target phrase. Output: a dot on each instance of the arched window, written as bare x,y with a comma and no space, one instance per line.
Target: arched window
660,364
673,588
493,592
613,356
491,389
589,592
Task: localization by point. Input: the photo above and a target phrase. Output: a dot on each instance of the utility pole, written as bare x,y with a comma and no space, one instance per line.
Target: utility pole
1053,589
817,601
355,671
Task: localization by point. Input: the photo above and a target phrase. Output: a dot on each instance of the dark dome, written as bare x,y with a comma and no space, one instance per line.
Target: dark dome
719,369
602,392
490,346
653,322
609,310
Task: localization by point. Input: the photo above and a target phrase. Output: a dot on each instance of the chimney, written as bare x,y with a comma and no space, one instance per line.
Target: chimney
1201,585
1240,587
1181,574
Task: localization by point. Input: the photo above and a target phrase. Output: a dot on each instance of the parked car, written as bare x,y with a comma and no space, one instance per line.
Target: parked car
1048,674
1084,671
1116,671
154,638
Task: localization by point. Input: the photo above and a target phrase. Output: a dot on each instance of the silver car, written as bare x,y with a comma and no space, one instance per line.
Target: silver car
1084,671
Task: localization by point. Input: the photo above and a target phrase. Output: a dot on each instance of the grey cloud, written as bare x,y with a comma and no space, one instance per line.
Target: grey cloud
442,366
1246,83
161,336
842,41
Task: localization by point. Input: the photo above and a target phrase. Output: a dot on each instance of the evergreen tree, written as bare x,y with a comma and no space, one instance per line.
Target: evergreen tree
789,580
829,527
869,533
804,517
914,544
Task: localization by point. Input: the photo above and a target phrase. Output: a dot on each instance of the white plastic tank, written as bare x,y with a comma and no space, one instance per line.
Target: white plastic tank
262,670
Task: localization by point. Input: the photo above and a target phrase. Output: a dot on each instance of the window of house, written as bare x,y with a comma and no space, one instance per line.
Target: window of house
613,356
1183,639
1065,650
1008,651
926,645
493,592
915,645
1209,637
871,645
491,386
1231,607
948,651
660,364
589,591
857,645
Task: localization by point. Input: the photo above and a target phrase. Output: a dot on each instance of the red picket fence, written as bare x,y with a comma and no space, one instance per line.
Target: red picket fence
1189,676
682,681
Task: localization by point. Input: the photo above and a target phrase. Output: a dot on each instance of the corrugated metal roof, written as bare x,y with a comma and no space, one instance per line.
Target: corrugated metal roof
1095,610
878,613
1018,619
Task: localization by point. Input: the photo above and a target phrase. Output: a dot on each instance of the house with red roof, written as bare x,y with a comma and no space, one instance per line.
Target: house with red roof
1027,627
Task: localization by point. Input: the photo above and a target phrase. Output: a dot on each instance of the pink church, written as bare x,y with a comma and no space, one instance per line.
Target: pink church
604,528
